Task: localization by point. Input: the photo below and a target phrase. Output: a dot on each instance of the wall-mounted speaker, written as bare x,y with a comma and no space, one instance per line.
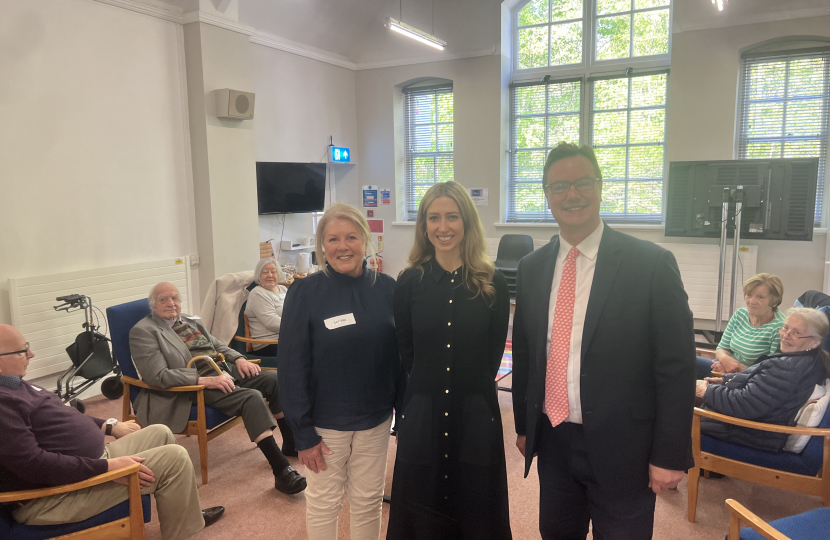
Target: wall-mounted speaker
234,104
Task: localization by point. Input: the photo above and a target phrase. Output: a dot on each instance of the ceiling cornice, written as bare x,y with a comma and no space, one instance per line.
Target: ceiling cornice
425,59
171,13
754,19
214,20
267,40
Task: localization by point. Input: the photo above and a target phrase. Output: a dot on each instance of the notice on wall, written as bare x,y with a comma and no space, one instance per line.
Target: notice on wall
375,226
370,196
385,196
380,243
479,195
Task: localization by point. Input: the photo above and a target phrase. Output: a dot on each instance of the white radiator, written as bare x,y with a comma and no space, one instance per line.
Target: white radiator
698,265
49,332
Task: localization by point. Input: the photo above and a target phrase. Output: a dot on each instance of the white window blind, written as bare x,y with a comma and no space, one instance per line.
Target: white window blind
628,133
783,109
541,116
428,142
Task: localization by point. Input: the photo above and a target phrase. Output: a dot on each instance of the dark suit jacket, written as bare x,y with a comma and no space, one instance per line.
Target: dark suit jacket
637,382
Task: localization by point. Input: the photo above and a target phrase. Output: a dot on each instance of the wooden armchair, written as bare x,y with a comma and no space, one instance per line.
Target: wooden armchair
110,524
807,526
807,472
242,342
205,422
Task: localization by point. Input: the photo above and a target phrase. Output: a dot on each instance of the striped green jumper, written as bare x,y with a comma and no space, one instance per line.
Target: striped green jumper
747,342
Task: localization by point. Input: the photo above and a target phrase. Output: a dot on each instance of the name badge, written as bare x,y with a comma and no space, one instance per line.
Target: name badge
339,321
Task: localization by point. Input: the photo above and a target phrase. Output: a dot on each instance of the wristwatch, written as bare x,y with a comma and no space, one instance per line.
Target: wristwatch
110,423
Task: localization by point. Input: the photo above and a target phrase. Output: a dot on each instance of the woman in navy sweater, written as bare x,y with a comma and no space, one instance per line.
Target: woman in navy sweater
340,374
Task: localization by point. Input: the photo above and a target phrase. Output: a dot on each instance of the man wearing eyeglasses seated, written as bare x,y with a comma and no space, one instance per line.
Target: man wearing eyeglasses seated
45,443
603,365
774,388
163,343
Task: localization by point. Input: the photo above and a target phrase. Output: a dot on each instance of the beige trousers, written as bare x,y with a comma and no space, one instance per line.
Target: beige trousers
357,466
177,500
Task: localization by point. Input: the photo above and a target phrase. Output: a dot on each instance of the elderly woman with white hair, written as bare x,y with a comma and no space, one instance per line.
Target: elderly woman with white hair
264,308
774,388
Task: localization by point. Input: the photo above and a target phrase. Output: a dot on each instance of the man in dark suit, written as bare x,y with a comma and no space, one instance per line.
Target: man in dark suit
603,365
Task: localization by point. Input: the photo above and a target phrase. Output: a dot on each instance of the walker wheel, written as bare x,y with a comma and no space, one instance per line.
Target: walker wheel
112,387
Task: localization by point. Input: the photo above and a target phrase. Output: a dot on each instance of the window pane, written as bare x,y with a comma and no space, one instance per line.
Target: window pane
651,32
423,110
536,12
765,119
766,81
648,91
563,10
613,197
444,142
530,100
422,169
613,37
428,143
445,107
606,7
563,128
611,162
802,148
645,197
761,150
647,126
564,97
609,128
530,198
611,94
645,4
533,47
804,118
425,139
806,77
530,133
443,168
645,162
529,166
566,43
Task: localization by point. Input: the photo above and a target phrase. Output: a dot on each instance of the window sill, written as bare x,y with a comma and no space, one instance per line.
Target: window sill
627,226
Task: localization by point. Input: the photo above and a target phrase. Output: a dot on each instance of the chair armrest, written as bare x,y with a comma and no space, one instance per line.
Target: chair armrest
255,341
706,353
739,513
11,496
142,384
820,432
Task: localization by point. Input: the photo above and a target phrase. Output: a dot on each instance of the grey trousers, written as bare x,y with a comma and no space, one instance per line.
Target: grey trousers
177,501
246,400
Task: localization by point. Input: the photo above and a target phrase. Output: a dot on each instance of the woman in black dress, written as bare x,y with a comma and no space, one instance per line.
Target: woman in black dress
451,314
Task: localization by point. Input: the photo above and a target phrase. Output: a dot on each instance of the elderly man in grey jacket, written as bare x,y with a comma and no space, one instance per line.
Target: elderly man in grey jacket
165,341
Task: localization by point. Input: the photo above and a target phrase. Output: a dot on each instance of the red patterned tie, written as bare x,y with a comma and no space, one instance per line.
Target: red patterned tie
556,380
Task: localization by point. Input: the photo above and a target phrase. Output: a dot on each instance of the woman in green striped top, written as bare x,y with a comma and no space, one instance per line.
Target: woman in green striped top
752,331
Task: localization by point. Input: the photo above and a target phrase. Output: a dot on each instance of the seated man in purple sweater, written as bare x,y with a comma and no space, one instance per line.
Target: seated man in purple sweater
45,443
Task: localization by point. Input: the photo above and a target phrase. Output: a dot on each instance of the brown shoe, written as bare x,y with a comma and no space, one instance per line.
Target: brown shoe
212,515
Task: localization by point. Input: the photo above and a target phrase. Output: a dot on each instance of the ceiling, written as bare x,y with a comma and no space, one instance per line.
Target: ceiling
353,29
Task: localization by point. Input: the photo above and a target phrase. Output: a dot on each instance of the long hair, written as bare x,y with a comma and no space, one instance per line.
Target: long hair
350,213
479,269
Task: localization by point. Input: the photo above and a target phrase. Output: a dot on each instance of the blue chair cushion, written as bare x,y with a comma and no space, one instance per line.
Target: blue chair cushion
121,319
810,525
213,417
11,530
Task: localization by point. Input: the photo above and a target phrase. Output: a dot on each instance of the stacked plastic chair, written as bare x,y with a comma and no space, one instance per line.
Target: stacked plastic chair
512,247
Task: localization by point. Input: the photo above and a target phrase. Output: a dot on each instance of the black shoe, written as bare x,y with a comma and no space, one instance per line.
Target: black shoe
212,515
289,481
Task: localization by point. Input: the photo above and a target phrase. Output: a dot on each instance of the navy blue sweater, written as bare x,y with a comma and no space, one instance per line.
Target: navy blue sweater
338,375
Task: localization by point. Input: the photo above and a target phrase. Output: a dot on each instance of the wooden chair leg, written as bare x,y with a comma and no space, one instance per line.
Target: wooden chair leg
694,482
126,406
201,424
136,512
707,475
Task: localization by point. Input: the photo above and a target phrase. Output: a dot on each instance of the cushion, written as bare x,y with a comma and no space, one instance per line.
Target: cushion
811,525
213,417
810,415
19,531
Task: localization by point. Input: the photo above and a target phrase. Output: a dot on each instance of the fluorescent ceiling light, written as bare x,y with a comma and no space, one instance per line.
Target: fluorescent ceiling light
415,34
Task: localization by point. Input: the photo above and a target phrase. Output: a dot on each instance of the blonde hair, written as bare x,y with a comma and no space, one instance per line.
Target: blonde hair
479,269
350,213
773,284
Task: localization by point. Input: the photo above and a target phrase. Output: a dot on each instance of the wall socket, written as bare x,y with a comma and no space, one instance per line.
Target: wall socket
194,260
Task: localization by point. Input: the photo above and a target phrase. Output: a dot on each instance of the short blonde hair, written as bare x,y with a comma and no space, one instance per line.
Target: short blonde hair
350,213
773,283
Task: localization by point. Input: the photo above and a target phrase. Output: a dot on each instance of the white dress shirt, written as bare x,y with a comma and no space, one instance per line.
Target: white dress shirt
586,263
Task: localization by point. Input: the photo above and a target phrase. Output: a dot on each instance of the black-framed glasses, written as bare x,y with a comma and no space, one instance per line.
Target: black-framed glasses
560,187
24,351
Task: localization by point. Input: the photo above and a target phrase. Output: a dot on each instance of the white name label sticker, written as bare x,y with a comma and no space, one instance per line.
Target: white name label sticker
339,321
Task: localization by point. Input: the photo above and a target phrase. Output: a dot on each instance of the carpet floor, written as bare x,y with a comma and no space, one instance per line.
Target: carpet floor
242,482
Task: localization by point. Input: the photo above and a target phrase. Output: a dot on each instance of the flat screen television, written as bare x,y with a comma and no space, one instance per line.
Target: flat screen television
290,188
779,198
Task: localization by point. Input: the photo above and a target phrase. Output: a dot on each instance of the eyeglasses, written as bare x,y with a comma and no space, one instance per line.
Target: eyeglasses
164,299
560,187
24,351
784,330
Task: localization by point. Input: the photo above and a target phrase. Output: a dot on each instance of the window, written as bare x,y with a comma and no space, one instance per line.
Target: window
428,142
627,128
590,96
783,109
550,33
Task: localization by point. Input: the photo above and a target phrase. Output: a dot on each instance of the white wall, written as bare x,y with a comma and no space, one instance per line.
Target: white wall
92,154
300,103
